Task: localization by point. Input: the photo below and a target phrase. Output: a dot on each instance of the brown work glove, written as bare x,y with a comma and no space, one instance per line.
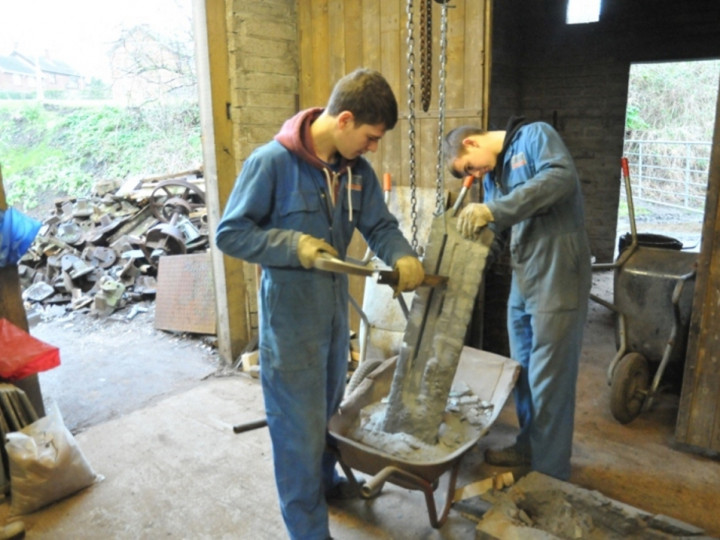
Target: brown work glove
473,218
410,274
309,249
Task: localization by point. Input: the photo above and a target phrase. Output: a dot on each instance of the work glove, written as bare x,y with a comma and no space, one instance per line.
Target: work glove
310,248
410,274
473,218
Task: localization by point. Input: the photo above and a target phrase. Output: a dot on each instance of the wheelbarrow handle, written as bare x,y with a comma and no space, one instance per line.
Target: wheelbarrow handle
249,426
373,486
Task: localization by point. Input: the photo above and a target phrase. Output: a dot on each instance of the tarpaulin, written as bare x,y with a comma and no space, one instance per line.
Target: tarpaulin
22,355
17,232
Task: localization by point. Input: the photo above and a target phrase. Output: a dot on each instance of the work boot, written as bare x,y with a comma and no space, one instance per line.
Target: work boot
13,531
507,457
344,490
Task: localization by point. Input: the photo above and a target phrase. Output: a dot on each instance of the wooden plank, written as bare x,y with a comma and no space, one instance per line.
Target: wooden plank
370,38
427,150
354,44
374,35
3,200
321,56
12,309
371,34
456,74
390,62
474,57
11,305
336,41
220,168
184,301
305,48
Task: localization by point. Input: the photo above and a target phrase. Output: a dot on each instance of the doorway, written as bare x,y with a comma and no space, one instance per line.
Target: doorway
669,127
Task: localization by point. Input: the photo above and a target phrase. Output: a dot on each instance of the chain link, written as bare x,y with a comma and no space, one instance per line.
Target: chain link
411,124
425,53
440,168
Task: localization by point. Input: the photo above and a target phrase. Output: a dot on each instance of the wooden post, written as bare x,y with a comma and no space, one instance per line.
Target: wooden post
12,309
698,422
231,290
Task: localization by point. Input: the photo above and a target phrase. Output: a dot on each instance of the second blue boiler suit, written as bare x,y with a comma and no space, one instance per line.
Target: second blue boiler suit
535,191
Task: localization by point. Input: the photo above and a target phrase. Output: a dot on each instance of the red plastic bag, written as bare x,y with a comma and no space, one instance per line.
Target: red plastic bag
22,355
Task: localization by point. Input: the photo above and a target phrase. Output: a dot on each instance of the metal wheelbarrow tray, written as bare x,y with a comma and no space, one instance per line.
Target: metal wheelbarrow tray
489,376
653,295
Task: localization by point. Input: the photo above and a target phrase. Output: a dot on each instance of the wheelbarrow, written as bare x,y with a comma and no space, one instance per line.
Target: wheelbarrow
490,377
652,297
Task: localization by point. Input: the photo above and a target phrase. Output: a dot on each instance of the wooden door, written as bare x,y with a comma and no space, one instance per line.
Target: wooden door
336,36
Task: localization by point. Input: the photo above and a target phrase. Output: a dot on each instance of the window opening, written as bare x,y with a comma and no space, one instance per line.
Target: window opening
583,11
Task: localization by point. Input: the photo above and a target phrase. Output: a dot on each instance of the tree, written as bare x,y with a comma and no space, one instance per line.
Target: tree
150,66
673,101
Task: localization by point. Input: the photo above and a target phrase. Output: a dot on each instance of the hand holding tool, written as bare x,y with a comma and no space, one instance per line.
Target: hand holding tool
410,274
473,218
309,249
467,184
330,263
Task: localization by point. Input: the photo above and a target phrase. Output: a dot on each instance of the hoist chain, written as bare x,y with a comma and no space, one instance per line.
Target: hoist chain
411,123
439,184
425,53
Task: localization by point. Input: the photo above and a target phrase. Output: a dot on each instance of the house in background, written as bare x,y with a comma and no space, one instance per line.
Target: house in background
20,76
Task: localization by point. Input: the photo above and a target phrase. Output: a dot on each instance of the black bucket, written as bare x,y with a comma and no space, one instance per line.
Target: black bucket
650,240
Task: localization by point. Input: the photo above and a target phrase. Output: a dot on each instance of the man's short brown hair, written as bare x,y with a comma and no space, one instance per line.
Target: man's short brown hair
367,95
453,147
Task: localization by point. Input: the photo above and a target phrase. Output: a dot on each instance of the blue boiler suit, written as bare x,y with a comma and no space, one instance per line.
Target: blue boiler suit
281,193
535,191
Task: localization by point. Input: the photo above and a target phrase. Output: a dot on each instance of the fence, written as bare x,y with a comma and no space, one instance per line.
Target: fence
669,173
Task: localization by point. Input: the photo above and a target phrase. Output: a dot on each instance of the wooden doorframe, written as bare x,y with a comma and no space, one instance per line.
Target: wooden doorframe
698,422
220,169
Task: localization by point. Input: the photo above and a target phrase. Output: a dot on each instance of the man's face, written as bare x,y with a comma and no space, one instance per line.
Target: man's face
476,160
356,139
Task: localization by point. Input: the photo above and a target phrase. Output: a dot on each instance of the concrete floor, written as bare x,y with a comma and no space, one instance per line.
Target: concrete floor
173,468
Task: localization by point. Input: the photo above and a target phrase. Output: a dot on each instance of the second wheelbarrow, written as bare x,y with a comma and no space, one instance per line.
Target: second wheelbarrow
490,377
652,295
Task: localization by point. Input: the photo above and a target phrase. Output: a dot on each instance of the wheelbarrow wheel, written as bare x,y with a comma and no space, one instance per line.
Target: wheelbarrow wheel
629,387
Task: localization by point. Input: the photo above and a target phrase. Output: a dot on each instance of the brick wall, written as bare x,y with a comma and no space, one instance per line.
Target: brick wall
576,77
263,45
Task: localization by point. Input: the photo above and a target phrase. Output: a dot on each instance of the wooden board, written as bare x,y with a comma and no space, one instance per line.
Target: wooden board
336,37
185,299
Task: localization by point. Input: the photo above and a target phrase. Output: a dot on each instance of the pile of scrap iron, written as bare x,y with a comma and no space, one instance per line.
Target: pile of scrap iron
101,253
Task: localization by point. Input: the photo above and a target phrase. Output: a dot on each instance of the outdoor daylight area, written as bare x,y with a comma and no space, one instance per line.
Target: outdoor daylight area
669,127
94,93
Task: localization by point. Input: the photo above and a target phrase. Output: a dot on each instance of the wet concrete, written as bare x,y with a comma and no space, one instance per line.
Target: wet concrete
435,332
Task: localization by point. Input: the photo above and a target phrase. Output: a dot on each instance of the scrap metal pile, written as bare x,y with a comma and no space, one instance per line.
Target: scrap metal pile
101,253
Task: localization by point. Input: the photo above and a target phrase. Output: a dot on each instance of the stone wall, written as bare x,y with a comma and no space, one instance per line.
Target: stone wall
263,44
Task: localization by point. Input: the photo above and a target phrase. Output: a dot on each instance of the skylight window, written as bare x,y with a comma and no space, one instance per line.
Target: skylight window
583,11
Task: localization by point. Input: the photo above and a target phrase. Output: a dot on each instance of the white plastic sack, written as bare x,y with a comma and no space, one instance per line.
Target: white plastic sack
45,464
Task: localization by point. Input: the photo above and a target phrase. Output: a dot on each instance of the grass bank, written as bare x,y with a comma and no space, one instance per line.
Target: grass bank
53,150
